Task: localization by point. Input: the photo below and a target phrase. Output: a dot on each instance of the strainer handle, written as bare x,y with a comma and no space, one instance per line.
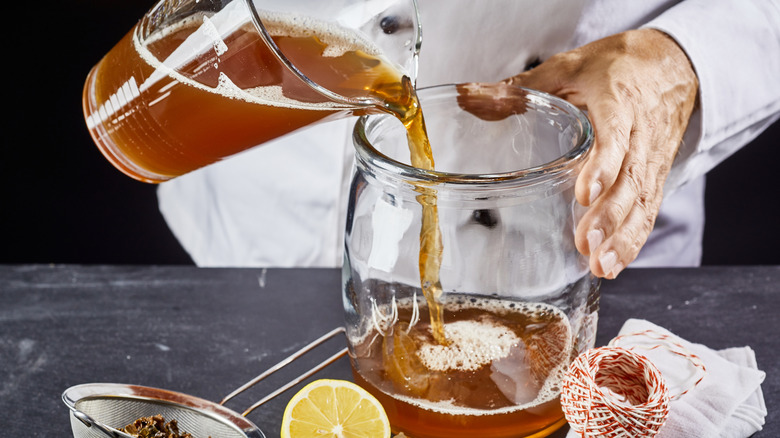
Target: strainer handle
286,362
297,380
105,430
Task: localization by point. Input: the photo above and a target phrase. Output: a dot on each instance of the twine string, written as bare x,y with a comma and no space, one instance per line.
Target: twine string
615,391
667,342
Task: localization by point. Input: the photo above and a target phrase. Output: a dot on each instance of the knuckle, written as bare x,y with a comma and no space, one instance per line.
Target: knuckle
647,205
664,167
630,242
616,130
564,63
648,224
614,212
634,249
634,173
639,239
628,91
661,162
651,123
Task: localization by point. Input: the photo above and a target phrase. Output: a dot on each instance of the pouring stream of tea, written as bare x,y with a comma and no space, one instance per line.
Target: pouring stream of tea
408,110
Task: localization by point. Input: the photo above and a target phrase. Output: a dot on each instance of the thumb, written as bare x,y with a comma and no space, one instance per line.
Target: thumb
541,78
557,75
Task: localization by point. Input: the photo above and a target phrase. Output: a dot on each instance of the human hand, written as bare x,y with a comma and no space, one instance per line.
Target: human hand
639,89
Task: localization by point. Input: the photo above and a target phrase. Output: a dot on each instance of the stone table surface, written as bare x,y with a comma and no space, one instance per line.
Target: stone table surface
206,331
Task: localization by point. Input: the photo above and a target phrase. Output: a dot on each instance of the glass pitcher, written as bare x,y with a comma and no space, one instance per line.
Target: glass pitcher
196,81
517,300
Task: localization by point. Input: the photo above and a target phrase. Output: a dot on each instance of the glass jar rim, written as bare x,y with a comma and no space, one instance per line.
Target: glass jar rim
369,155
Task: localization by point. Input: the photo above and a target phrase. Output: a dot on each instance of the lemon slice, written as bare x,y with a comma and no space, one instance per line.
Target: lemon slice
334,408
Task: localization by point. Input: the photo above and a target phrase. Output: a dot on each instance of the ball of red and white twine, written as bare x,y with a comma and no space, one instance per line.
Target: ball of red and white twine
616,392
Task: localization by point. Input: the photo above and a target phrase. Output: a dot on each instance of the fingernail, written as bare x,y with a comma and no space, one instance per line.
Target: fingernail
608,260
616,270
595,191
595,237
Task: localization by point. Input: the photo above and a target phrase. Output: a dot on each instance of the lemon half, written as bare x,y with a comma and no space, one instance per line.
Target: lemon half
334,408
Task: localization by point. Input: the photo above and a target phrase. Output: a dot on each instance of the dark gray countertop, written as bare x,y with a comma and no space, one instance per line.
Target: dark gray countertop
207,331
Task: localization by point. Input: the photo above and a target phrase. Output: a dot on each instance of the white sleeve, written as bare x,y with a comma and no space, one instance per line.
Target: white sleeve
734,47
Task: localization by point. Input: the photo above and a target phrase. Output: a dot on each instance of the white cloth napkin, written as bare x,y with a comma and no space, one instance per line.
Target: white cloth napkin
727,403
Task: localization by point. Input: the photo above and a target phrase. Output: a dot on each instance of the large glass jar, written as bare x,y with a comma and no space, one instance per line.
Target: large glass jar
517,302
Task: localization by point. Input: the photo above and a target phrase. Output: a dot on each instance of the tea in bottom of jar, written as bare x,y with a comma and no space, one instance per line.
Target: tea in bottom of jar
498,376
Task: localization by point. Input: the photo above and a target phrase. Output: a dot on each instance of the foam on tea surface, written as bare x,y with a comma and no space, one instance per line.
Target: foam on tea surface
502,356
473,344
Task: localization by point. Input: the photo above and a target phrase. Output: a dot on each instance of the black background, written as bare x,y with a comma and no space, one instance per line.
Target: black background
64,203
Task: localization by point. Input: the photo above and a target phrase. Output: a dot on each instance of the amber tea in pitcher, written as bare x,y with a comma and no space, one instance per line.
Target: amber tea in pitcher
188,86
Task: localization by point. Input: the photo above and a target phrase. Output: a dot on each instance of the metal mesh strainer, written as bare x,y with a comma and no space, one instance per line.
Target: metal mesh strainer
99,409
117,405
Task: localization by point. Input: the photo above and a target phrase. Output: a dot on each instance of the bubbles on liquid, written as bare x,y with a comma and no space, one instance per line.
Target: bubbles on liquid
339,40
473,344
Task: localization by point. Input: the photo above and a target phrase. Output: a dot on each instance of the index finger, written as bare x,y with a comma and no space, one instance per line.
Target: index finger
612,126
